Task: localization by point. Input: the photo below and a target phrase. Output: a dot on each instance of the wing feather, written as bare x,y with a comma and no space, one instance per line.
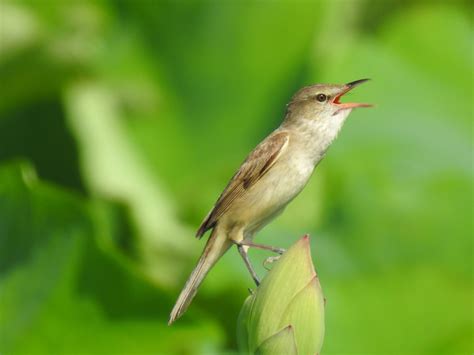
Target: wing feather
257,164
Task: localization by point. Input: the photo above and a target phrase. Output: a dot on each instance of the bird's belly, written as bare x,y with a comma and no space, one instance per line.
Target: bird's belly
267,199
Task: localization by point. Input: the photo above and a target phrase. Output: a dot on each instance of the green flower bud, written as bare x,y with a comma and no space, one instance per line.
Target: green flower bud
285,315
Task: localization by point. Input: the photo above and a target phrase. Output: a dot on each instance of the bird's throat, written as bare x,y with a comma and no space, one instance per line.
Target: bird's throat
315,136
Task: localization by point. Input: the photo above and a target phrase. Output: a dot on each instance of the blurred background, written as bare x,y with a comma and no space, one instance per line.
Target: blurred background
122,121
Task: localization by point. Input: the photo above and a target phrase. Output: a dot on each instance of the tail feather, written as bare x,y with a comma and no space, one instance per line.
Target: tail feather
216,246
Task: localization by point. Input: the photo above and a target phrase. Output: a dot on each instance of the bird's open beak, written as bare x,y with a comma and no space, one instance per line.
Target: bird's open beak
346,88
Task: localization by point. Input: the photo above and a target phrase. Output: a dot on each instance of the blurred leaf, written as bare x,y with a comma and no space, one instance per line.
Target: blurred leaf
35,132
106,156
55,284
422,309
27,222
47,43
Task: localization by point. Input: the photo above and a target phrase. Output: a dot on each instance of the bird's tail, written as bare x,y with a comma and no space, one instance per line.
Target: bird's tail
216,246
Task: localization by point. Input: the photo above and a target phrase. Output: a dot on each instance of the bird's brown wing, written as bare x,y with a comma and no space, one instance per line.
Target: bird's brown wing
257,164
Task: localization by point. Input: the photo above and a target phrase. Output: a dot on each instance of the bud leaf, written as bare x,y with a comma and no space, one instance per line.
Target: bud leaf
282,342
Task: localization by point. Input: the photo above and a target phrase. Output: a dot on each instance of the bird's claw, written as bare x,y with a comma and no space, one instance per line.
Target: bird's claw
269,260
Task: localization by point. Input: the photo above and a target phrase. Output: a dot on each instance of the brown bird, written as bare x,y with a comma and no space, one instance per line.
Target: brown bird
273,174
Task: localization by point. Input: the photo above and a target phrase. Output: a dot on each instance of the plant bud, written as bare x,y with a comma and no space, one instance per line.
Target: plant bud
286,312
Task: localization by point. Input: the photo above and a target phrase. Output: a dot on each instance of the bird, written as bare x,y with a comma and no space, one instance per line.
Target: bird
271,176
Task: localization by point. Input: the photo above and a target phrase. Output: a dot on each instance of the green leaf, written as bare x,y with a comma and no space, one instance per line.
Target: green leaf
95,120
62,291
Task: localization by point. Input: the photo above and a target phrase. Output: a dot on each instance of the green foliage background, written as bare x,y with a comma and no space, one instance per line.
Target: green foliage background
121,121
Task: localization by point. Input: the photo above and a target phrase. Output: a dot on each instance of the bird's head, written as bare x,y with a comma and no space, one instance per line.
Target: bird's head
321,102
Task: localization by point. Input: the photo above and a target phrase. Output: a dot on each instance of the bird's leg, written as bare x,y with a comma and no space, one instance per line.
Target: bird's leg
251,244
244,255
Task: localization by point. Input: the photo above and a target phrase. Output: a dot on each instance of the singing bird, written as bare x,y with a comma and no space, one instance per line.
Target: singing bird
272,175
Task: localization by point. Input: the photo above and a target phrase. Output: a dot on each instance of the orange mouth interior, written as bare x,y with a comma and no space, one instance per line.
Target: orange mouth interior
336,99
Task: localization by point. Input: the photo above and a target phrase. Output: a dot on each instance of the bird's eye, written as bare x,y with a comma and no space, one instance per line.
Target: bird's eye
321,97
